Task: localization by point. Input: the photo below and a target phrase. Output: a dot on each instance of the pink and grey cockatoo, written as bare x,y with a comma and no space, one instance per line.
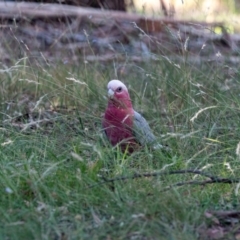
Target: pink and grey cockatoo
122,124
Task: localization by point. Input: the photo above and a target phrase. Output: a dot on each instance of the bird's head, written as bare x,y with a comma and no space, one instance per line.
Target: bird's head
118,94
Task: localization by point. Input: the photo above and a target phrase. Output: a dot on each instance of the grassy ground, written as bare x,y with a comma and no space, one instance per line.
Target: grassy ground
53,155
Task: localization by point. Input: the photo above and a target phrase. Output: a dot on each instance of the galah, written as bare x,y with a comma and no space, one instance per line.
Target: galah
122,124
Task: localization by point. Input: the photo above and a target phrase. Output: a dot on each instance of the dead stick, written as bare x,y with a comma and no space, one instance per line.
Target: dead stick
155,174
213,179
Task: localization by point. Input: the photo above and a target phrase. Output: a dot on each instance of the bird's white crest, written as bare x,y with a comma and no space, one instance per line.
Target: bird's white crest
114,84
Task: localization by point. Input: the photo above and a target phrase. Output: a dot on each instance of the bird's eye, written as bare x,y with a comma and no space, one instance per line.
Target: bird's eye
119,89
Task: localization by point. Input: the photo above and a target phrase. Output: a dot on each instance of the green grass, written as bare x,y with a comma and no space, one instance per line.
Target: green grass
50,171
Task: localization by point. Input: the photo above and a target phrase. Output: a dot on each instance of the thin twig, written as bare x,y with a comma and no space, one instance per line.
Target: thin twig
155,174
213,179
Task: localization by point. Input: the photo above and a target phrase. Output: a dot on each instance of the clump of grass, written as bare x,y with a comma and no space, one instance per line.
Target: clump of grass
53,154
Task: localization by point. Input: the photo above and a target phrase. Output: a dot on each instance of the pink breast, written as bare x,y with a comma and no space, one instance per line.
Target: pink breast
118,125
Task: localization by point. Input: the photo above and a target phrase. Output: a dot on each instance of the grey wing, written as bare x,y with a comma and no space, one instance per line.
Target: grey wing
142,131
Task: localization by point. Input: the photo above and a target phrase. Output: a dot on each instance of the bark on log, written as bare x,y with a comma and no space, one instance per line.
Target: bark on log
104,4
10,10
69,33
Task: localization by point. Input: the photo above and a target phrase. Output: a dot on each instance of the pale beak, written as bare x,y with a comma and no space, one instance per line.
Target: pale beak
110,93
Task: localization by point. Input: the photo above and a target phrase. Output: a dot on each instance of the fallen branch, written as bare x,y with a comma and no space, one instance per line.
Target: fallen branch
155,174
10,10
202,183
224,214
213,179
